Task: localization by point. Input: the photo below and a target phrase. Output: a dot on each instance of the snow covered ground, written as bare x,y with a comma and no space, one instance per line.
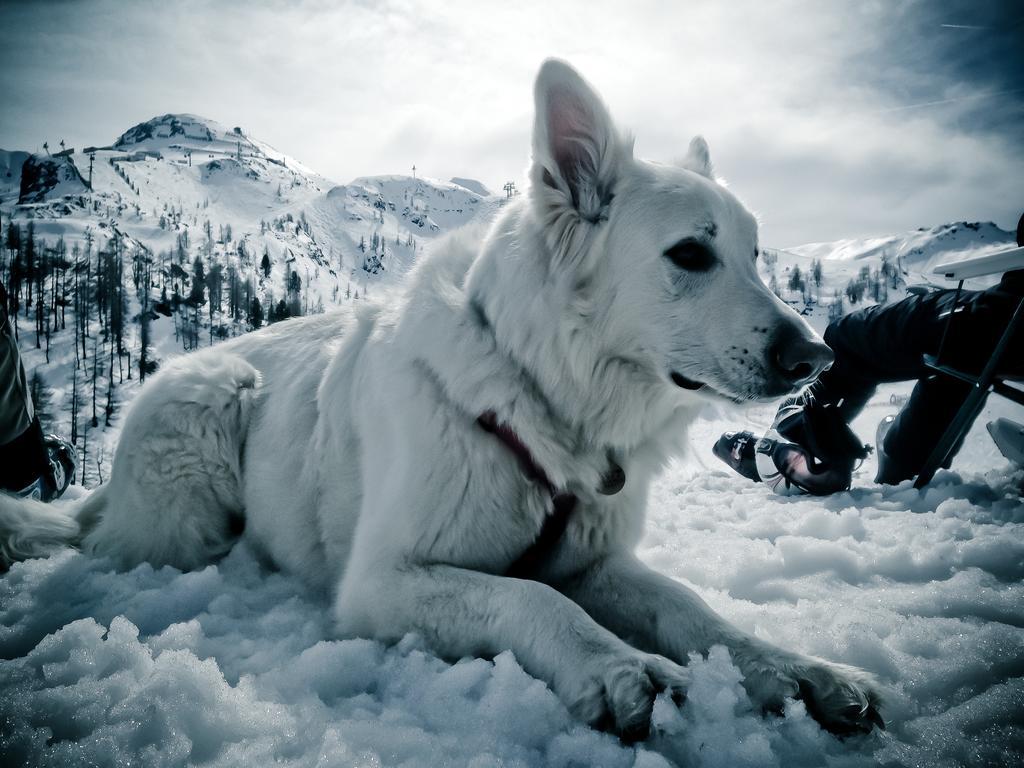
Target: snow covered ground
234,665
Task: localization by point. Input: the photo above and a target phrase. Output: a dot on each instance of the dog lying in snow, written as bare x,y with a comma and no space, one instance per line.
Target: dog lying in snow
471,461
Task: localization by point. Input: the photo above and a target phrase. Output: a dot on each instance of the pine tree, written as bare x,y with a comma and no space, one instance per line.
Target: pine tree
40,279
95,376
75,400
234,293
197,294
13,243
28,266
214,284
294,290
796,280
108,410
255,313
63,264
144,363
42,399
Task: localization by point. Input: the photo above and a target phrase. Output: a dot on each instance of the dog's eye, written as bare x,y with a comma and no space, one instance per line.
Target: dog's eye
691,255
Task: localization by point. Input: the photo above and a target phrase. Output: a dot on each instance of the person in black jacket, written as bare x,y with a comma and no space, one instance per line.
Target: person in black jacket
31,464
811,448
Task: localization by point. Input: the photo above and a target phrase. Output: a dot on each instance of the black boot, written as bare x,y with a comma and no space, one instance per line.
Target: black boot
822,430
798,469
62,461
737,450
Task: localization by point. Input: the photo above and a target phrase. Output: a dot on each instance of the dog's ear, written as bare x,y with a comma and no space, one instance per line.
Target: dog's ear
698,157
576,149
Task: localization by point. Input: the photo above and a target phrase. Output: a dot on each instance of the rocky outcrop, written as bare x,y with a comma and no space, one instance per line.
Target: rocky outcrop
46,178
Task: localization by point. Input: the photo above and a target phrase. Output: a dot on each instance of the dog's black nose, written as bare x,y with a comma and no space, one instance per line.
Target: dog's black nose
798,359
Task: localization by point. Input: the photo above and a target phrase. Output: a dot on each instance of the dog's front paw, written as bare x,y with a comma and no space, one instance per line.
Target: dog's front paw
618,692
844,700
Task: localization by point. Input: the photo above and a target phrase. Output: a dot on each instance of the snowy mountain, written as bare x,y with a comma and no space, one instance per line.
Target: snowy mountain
167,177
915,253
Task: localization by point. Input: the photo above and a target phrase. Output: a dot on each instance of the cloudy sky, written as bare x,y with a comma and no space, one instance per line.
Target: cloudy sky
830,119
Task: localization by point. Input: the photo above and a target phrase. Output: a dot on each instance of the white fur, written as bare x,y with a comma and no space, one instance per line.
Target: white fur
355,456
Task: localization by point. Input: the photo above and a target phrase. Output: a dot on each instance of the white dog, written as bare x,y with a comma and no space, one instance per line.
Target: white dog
503,417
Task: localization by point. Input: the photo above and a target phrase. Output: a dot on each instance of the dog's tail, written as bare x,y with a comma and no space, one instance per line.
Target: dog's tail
30,528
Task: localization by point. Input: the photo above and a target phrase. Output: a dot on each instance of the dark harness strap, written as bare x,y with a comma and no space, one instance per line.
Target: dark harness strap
562,503
547,540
